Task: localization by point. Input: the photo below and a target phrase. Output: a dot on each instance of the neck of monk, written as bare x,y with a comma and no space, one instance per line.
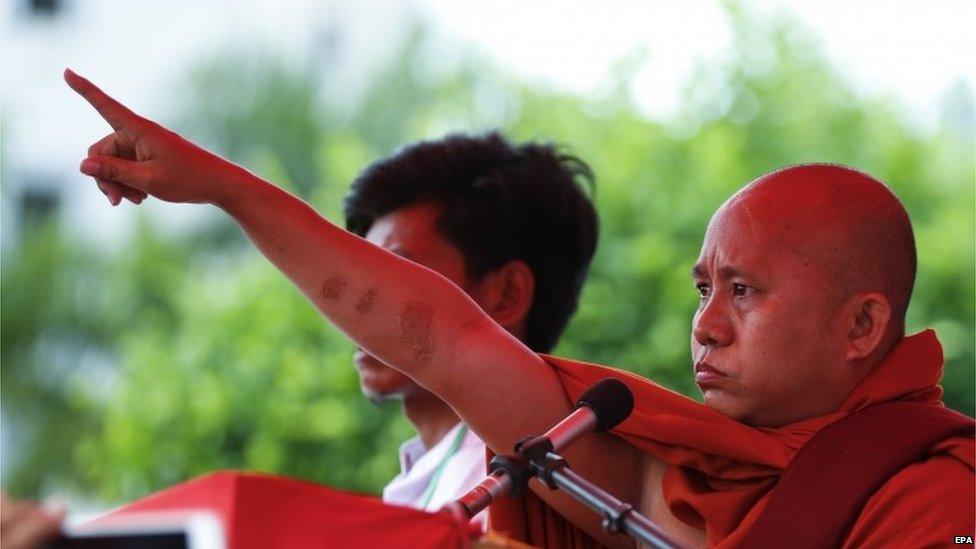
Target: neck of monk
431,416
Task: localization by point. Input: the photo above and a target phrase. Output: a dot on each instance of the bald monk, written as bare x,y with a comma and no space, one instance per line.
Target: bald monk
804,277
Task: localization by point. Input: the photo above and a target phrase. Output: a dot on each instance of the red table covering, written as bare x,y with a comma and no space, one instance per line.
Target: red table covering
268,511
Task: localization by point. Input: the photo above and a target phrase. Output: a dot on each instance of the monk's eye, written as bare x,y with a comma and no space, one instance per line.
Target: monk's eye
703,289
739,290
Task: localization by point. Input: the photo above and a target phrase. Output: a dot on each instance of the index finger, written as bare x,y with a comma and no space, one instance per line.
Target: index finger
115,113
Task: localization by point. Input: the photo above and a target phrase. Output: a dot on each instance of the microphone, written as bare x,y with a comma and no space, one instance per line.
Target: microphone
601,408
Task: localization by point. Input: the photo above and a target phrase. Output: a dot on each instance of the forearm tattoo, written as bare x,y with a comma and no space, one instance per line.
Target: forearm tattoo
365,303
332,287
415,330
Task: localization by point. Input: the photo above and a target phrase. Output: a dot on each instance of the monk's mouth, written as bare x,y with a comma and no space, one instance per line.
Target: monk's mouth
707,376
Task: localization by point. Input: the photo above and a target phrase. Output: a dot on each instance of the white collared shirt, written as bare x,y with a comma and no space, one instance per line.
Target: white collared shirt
462,471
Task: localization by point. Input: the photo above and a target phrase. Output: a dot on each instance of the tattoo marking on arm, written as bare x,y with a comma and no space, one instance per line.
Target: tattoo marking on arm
365,303
415,327
332,287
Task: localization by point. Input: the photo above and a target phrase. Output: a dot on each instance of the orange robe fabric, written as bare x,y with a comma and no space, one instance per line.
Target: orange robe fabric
721,471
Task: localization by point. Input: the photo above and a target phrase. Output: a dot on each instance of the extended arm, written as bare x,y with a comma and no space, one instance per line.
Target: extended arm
418,321
402,313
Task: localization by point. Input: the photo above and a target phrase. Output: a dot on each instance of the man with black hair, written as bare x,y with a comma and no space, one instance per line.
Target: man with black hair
509,225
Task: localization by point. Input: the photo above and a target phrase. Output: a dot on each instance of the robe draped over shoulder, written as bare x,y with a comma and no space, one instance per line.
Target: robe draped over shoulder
720,471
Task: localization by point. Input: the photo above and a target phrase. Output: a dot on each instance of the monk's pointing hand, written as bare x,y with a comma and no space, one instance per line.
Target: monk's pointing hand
141,158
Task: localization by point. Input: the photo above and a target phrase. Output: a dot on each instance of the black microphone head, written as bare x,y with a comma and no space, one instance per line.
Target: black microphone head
611,401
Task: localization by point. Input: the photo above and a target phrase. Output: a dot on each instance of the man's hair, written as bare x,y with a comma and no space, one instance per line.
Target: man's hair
499,202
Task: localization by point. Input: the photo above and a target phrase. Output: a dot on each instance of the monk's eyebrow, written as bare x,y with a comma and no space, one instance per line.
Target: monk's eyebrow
699,271
734,272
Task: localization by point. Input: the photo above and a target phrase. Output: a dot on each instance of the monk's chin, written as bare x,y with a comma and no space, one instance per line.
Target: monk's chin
720,401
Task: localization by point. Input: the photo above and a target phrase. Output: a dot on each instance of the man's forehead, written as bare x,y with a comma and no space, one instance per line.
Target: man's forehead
739,221
788,215
816,220
806,197
750,237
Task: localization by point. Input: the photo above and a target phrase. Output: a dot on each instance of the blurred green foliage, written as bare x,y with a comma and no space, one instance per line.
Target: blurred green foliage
126,373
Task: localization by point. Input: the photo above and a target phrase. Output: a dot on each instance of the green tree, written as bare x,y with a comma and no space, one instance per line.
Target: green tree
218,362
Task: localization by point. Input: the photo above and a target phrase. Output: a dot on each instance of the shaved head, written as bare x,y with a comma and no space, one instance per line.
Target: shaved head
804,278
846,223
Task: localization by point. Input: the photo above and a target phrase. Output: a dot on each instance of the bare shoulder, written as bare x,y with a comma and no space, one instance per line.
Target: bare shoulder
925,503
653,505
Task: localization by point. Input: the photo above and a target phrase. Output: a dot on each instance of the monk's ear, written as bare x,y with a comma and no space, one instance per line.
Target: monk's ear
868,321
506,294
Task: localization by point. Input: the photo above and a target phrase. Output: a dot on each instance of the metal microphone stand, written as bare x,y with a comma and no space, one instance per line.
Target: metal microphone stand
617,515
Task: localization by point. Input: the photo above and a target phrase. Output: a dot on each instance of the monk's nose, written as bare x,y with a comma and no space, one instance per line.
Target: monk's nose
711,325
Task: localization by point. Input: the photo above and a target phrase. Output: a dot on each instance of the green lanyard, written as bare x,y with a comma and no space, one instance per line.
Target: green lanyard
436,477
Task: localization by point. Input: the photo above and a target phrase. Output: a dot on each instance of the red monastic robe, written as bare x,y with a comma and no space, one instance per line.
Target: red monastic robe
721,471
